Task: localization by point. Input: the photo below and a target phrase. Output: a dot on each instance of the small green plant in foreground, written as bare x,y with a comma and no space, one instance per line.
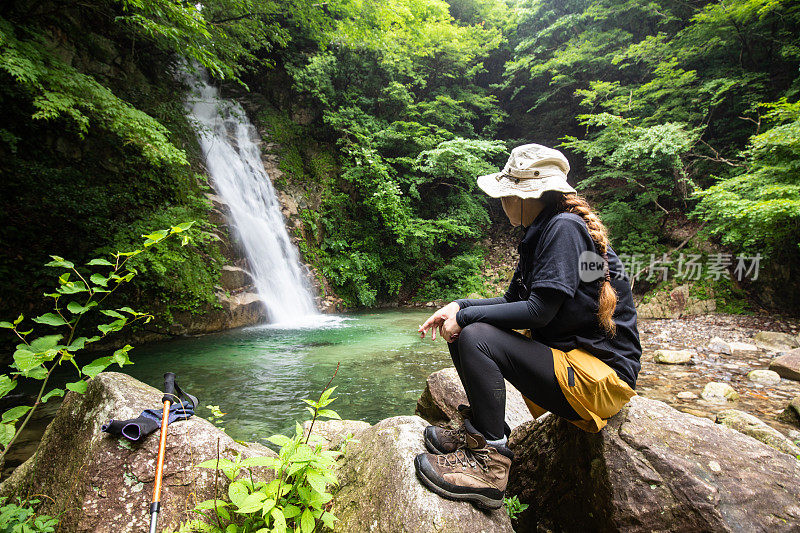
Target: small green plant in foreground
80,292
20,518
216,416
514,507
297,500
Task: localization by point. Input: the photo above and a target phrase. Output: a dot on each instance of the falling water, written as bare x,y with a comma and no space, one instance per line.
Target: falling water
230,145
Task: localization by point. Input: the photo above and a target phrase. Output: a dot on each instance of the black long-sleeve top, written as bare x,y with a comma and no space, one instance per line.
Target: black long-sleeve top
555,290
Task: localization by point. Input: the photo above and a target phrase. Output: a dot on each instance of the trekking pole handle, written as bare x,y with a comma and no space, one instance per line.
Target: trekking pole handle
169,388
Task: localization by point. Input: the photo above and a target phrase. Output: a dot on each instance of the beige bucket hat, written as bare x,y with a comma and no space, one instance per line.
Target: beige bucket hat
531,170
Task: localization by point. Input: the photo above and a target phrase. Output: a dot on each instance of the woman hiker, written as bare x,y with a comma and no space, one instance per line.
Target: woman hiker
581,358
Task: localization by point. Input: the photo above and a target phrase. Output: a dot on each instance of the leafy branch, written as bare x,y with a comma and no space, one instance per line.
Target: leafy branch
37,356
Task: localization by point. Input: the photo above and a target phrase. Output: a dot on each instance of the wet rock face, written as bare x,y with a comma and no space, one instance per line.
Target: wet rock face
379,490
444,393
101,483
652,468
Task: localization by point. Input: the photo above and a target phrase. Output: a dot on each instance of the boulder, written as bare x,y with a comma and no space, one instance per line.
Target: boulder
379,490
775,341
764,377
758,429
720,346
101,483
233,277
743,348
652,468
716,392
333,432
791,415
242,309
444,393
787,365
672,357
675,303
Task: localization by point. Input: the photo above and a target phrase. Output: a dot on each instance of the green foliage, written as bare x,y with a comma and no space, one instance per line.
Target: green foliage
460,276
216,416
664,100
80,293
759,208
179,277
514,506
20,517
401,90
59,90
296,500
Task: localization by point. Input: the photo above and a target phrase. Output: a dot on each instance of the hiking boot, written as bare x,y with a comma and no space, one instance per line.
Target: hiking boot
441,440
477,473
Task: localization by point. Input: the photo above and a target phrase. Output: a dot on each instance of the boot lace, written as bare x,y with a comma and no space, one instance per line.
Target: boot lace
459,435
466,457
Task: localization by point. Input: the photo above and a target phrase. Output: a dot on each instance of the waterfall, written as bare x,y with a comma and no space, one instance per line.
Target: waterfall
230,144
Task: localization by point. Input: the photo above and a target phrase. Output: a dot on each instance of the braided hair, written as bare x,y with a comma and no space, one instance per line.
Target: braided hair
575,203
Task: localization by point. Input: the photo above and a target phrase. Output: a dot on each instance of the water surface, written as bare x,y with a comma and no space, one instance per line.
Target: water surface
259,375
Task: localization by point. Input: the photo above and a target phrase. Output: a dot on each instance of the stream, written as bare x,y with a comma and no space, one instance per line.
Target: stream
259,375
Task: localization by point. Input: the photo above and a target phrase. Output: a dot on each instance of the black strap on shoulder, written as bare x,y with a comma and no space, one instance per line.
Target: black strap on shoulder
173,392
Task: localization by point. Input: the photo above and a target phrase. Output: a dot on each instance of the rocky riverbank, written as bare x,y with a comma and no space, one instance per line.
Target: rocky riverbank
730,359
652,468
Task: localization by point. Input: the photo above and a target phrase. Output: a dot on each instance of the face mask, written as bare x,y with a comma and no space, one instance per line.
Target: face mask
512,205
518,210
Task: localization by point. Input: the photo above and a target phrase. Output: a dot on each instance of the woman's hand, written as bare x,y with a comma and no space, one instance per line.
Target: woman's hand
437,320
450,329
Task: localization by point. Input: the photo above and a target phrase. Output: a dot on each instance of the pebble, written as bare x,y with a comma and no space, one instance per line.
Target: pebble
686,395
672,357
716,392
714,466
720,346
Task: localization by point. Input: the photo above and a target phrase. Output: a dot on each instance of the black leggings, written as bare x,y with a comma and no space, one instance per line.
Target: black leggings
484,354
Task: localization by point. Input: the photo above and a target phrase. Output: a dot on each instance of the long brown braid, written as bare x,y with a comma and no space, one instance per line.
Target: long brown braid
607,300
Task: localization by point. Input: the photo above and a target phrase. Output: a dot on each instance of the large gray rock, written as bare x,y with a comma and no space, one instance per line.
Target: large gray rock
787,365
332,433
379,490
652,468
444,393
775,341
100,483
758,429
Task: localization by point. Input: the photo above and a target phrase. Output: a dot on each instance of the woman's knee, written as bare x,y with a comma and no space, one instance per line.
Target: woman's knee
474,333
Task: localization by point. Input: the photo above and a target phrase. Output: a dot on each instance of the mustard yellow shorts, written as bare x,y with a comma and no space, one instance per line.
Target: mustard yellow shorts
591,387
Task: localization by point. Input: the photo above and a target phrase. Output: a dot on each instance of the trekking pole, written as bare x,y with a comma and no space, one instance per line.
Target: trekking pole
169,395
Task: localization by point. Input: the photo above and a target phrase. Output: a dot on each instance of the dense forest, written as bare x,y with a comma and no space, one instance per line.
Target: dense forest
675,115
